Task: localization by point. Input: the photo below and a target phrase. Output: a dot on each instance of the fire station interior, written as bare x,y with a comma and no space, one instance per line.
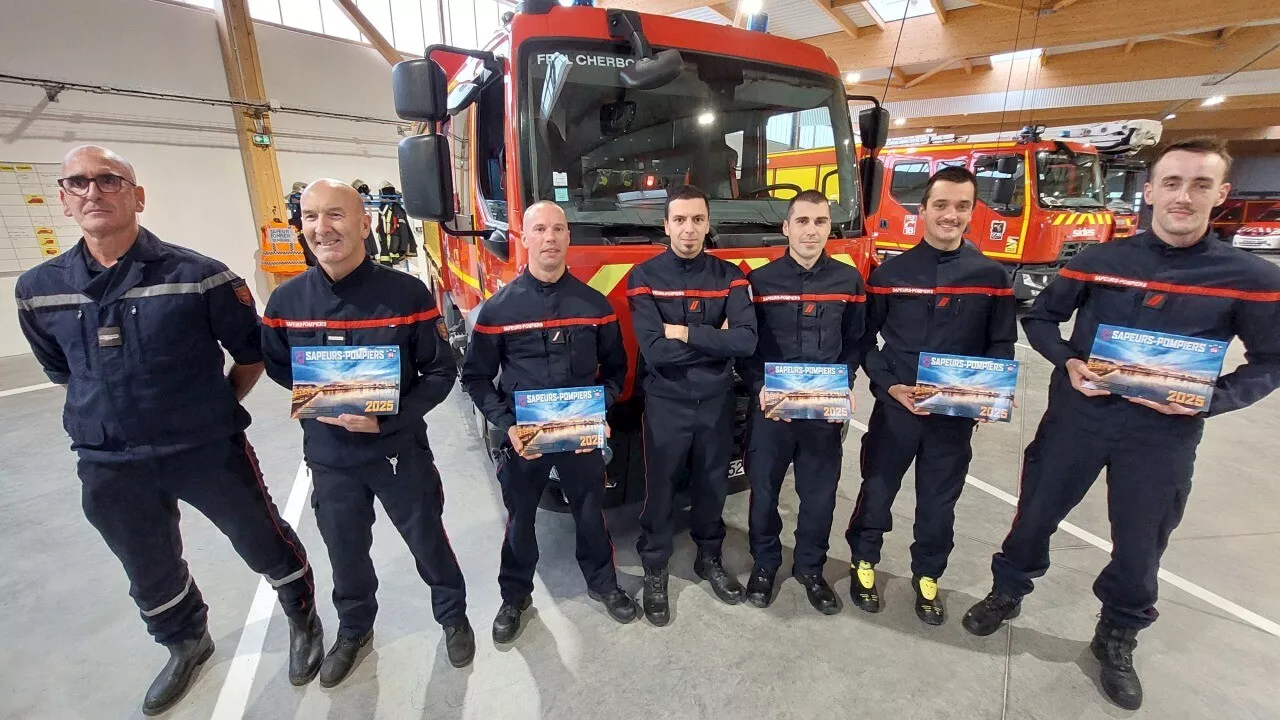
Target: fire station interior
1057,106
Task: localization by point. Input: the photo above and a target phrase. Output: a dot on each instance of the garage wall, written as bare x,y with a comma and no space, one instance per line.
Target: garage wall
185,154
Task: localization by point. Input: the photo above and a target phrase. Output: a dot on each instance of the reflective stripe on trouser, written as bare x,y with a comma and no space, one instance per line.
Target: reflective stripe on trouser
772,446
582,479
941,447
413,497
1148,482
134,506
699,432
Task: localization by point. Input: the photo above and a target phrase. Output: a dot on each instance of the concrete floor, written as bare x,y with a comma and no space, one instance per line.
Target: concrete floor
75,648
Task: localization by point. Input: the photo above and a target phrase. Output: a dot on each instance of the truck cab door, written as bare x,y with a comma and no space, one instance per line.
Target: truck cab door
996,227
896,227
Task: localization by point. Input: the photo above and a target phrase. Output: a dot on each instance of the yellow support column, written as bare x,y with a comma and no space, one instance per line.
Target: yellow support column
279,255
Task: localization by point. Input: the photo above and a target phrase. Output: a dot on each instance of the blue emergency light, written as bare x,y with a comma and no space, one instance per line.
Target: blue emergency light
758,22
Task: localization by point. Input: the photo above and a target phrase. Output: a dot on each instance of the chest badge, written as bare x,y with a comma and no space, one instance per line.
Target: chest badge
1154,301
695,306
556,336
944,301
810,309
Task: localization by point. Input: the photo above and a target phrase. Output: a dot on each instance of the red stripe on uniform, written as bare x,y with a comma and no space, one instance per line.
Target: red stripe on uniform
811,297
940,290
543,324
424,316
1121,281
665,294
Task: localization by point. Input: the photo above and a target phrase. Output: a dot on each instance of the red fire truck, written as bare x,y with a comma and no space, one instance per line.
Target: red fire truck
1039,201
600,111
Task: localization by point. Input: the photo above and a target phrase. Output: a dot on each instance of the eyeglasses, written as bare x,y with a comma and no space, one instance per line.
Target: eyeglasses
79,184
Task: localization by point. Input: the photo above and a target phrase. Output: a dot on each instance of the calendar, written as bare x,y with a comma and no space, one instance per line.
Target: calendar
32,226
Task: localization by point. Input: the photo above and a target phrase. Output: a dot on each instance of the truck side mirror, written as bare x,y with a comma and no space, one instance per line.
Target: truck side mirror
871,175
418,88
873,127
498,244
426,177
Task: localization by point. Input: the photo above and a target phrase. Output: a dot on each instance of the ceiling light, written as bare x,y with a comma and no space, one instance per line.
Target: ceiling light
900,122
1215,100
1170,116
852,77
751,7
1019,55
928,130
706,118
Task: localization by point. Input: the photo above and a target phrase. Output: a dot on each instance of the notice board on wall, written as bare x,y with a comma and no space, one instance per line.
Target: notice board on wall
32,226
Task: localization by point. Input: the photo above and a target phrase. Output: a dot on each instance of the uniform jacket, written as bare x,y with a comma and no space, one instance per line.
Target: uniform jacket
925,300
374,305
811,316
138,346
700,293
539,336
1209,290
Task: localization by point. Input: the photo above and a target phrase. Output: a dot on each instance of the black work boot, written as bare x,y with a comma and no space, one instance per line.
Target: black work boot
619,604
725,586
342,658
506,626
1113,646
169,686
986,615
306,647
928,607
656,605
821,596
862,586
760,587
460,642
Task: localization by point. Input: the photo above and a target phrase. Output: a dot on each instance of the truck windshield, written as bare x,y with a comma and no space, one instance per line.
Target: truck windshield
607,154
1071,180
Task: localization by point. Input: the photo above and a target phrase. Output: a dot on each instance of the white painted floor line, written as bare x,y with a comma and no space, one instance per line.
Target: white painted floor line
234,697
27,389
1024,345
1254,619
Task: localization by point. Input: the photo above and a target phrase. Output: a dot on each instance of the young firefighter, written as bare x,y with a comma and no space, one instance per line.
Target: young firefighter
1172,279
941,296
135,329
693,319
809,309
348,299
547,329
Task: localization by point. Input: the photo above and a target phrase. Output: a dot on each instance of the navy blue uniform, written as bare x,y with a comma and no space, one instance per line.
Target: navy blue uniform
924,300
810,316
154,419
542,335
1209,290
373,305
688,416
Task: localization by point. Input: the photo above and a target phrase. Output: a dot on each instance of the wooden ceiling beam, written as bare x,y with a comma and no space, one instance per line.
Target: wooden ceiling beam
1189,40
1007,6
1226,32
930,73
726,10
837,16
983,31
875,16
375,38
968,65
940,10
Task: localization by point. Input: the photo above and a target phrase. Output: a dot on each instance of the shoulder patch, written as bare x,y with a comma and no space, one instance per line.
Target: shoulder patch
243,294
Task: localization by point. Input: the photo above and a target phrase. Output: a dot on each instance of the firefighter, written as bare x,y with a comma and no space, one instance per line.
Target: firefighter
135,329
1171,279
809,309
350,300
693,318
547,329
941,296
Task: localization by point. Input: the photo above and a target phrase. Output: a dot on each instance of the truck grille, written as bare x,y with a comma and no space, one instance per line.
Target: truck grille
1069,250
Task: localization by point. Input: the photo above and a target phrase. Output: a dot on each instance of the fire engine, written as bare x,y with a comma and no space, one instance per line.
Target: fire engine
1040,199
600,111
